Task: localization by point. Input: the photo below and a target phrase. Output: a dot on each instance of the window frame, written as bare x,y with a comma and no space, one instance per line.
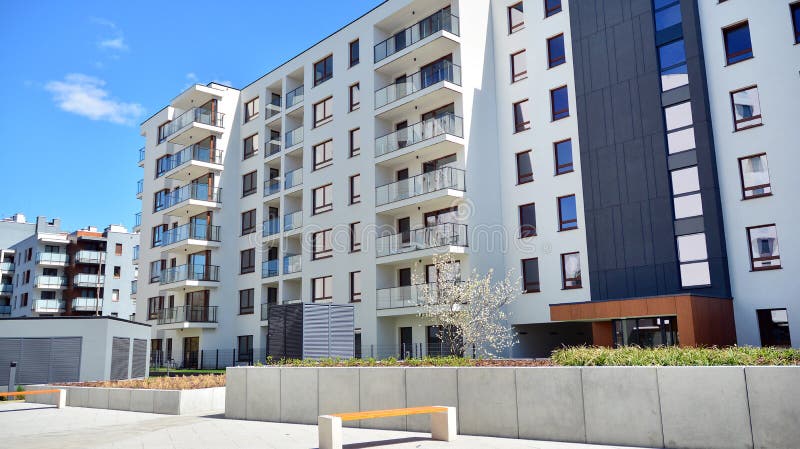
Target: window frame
759,186
161,135
325,75
553,112
251,114
327,108
327,245
319,165
522,178
549,12
561,221
564,278
355,105
250,213
794,8
354,44
753,260
355,193
558,166
325,206
355,236
247,310
513,28
253,146
525,283
355,296
325,295
253,175
733,27
250,253
758,117
354,151
555,62
515,77
523,233
521,126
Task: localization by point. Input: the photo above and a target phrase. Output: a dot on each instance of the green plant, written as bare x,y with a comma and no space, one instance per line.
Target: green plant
674,356
20,397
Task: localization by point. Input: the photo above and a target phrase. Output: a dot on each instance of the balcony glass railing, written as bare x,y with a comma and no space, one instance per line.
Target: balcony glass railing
293,221
273,147
404,296
272,186
294,97
265,312
442,71
189,273
197,153
443,178
200,192
269,268
87,304
419,132
194,115
86,256
6,288
191,231
438,21
139,186
294,178
294,137
137,219
141,154
445,234
6,310
51,281
271,227
136,252
48,305
88,280
52,258
134,287
272,110
188,314
6,266
292,264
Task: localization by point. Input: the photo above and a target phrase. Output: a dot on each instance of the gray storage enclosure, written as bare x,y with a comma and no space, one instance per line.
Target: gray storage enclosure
311,331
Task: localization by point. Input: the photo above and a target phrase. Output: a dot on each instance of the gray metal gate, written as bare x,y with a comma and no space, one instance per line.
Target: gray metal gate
139,358
41,360
120,357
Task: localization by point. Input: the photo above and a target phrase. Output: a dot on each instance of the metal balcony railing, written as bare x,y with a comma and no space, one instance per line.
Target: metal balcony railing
137,219
189,273
136,252
271,227
88,280
443,178
273,147
200,192
52,258
86,256
139,186
294,137
438,21
445,234
187,314
293,178
272,186
265,312
188,154
271,110
194,115
442,71
51,281
48,305
193,231
419,132
134,287
293,221
292,264
141,154
6,310
403,296
6,288
269,268
6,266
294,97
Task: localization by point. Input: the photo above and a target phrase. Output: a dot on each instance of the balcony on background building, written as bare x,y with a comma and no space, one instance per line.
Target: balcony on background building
48,305
294,97
87,304
404,296
441,72
91,257
273,147
137,221
272,186
189,273
191,200
293,221
134,287
269,268
139,188
191,235
6,289
59,259
50,282
408,38
141,156
5,311
294,137
88,280
443,179
293,178
190,163
187,316
431,237
135,252
6,266
437,136
272,109
193,125
292,263
271,227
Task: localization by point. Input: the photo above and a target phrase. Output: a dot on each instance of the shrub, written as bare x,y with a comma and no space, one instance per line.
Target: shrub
674,356
161,383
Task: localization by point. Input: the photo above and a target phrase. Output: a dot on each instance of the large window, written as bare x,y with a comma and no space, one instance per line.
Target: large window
249,222
672,62
246,301
516,18
764,251
773,325
646,332
323,70
754,176
567,213
250,147
323,154
527,220
163,165
355,189
667,13
323,199
746,108
693,258
355,142
323,112
355,237
522,118
795,9
154,305
530,275
687,200
555,51
519,66
322,288
155,270
563,156
321,244
251,110
680,132
737,43
355,96
250,183
355,286
559,101
162,132
247,261
245,346
552,7
570,271
160,200
354,53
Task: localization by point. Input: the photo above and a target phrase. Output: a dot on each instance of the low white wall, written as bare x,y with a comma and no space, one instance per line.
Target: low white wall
167,402
673,407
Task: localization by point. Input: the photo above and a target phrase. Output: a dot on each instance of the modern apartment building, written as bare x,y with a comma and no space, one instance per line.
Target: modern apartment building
47,271
580,144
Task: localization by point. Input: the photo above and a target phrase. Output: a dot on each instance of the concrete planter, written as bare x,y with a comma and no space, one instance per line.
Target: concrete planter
167,402
672,407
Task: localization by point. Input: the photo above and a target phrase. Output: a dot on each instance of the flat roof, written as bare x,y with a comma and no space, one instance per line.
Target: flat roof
92,317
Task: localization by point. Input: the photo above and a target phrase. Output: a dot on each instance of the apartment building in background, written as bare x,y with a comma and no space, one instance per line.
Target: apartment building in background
580,144
50,272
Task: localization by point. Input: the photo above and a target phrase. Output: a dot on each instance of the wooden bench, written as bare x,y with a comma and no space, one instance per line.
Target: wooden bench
443,423
60,400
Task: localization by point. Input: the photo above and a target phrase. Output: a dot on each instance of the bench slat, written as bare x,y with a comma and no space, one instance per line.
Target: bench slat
24,393
355,416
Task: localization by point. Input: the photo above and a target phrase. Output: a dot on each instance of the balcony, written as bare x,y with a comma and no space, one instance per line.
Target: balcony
57,259
195,237
294,97
5,311
92,257
137,221
391,301
6,289
50,282
48,305
443,235
191,200
136,252
293,179
87,304
265,312
141,157
272,186
442,186
269,268
139,188
273,148
187,316
294,137
292,264
6,266
191,163
88,280
438,136
134,287
272,110
194,125
435,34
435,85
271,227
190,275
293,221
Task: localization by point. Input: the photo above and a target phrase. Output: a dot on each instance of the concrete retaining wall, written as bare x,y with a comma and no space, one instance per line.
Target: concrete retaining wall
168,402
673,407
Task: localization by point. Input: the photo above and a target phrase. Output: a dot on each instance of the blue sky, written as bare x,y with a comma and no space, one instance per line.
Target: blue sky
78,77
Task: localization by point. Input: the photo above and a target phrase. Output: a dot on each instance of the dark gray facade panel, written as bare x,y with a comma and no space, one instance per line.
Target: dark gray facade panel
675,96
691,225
65,359
34,365
682,160
120,357
139,358
10,351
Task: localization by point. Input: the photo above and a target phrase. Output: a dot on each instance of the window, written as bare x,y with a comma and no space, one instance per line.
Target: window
737,43
117,272
247,261
249,222
245,346
355,97
552,7
250,183
746,108
667,13
321,244
154,305
563,156
323,112
162,132
795,9
527,220
115,295
773,326
246,301
764,251
516,18
570,271
251,110
323,154
355,189
672,63
158,235
355,286
118,249
524,167
323,70
754,174
680,132
155,270
322,288
559,103
519,66
354,53
250,147
567,213
323,199
355,237
163,165
555,51
530,275
160,200
522,120
693,258
687,200
355,142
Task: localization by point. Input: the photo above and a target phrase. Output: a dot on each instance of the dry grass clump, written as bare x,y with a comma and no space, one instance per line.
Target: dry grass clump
160,383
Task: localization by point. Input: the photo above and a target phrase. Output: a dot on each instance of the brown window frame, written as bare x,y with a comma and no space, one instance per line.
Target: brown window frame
355,197
728,55
354,61
564,279
325,295
521,75
326,75
355,105
535,285
520,126
513,28
736,122
162,131
254,184
523,231
355,245
355,150
759,186
253,147
555,62
118,249
318,165
250,295
249,230
325,206
795,23
524,178
251,110
117,271
761,259
355,296
553,111
154,305
570,165
561,221
549,12
327,245
327,109
251,255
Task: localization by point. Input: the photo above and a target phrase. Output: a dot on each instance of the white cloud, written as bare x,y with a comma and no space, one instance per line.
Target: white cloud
191,76
84,95
114,44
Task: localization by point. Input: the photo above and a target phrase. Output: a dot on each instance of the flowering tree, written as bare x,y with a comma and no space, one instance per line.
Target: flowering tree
470,313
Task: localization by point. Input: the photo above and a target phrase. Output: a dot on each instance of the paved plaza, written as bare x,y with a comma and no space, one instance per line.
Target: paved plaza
38,426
